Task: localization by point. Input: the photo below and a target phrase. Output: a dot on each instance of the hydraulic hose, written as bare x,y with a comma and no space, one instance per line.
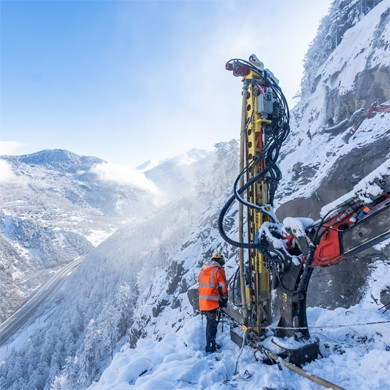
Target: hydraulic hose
279,131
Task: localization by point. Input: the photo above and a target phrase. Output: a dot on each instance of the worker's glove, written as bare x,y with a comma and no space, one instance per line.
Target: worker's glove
223,302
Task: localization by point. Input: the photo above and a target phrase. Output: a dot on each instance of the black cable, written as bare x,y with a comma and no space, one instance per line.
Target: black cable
317,237
291,290
245,202
279,132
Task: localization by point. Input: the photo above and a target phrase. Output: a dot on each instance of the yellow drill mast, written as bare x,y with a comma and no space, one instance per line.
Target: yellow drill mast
263,129
253,139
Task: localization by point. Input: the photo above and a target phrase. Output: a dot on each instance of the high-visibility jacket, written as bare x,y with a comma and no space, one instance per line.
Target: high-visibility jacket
212,286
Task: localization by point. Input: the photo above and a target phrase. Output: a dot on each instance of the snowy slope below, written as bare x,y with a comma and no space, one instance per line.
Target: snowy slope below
355,345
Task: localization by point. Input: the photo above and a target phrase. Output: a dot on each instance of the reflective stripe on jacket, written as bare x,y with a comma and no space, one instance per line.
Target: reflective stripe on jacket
212,286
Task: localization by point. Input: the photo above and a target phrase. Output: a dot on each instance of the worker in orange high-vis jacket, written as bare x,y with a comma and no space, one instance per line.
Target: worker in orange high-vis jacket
213,294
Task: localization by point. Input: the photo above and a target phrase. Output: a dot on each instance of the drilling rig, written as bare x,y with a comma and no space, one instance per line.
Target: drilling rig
277,261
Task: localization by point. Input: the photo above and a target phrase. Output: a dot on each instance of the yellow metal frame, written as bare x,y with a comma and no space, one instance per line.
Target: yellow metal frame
259,289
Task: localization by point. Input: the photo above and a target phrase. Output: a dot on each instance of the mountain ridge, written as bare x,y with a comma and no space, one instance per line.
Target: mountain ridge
55,159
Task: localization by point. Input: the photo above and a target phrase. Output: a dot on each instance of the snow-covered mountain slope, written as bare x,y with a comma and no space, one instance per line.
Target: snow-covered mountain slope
147,165
30,253
175,176
54,207
55,204
73,339
57,159
56,181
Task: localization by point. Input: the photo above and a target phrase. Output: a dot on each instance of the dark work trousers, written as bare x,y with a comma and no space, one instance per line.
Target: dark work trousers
211,329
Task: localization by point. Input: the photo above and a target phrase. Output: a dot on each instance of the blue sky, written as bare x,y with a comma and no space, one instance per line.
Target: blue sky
131,80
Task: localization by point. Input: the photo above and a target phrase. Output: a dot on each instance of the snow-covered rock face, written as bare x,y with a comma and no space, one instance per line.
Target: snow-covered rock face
317,164
357,73
349,58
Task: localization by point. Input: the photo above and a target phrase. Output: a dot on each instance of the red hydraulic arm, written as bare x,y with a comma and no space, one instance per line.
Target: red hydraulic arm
353,229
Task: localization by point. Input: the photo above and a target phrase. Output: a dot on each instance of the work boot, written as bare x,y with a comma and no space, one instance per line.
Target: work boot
214,346
209,348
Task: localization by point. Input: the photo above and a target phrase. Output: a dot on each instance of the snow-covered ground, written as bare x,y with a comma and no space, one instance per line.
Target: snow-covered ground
354,344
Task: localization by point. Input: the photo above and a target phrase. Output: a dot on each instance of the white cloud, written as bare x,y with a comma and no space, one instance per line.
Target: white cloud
122,174
10,147
6,173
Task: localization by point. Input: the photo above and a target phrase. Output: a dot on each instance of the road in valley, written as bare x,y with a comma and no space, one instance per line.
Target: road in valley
10,326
